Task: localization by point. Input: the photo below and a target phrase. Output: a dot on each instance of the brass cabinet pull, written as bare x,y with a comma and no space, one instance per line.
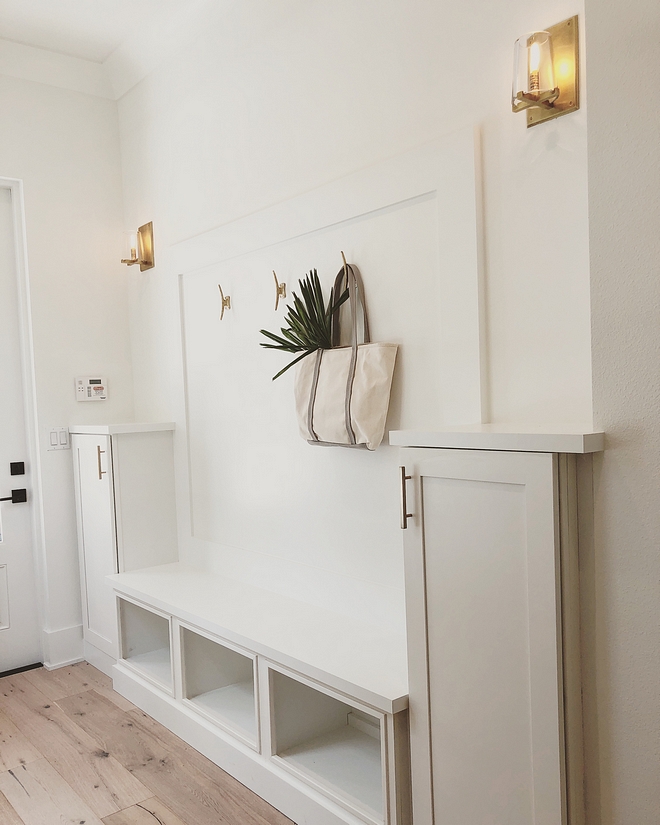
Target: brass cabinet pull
98,457
405,515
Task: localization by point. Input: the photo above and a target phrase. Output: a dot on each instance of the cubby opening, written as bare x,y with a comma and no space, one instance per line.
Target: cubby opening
145,643
331,742
219,682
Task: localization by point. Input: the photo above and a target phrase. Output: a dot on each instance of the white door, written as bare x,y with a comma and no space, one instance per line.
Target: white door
482,596
19,622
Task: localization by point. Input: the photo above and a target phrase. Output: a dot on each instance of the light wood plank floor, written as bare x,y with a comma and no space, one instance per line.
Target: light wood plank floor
73,751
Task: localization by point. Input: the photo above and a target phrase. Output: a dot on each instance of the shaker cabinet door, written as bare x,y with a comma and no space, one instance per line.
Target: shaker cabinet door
483,610
96,535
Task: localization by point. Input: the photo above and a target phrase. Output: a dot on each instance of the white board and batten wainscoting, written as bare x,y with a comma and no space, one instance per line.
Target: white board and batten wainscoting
320,524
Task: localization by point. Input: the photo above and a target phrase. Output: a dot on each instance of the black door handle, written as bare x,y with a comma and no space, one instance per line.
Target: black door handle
17,496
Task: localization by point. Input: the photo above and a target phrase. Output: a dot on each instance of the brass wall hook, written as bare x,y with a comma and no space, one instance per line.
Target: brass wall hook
343,257
280,291
225,302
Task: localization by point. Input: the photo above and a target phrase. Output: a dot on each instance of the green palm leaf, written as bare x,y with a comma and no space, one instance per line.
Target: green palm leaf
307,321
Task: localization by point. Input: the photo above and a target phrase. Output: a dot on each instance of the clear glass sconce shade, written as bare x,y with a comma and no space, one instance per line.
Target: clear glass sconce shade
533,74
139,247
130,246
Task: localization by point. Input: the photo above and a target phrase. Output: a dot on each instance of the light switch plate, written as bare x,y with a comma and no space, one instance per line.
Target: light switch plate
58,438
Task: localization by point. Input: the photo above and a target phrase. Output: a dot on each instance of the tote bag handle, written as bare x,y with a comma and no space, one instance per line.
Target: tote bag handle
349,278
350,275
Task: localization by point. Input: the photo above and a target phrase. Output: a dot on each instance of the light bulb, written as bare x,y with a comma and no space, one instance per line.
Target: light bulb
534,57
534,63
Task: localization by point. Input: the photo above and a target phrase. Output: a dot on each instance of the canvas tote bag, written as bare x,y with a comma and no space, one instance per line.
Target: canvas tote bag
342,394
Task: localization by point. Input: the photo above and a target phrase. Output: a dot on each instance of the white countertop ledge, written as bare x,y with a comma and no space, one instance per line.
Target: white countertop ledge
358,659
119,429
515,437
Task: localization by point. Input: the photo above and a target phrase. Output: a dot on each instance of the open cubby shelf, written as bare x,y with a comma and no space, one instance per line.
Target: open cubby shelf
219,681
332,742
145,643
156,663
347,761
235,703
294,699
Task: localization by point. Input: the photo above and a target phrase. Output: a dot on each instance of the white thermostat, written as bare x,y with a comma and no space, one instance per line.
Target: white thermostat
91,388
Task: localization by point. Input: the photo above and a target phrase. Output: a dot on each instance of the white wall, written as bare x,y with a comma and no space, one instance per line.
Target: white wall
236,123
64,146
623,611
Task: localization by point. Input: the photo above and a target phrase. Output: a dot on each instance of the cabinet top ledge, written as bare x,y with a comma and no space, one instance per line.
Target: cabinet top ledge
118,429
514,437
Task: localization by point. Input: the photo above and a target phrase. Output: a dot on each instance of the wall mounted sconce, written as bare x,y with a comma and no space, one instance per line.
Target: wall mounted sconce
280,291
225,302
140,247
545,73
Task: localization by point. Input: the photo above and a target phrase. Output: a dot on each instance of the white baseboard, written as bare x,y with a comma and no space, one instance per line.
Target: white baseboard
62,647
98,658
50,666
283,791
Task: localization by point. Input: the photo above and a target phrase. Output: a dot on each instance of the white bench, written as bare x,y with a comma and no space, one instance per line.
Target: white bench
306,707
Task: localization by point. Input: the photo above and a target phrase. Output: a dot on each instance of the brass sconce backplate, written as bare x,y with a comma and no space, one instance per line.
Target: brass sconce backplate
145,250
565,59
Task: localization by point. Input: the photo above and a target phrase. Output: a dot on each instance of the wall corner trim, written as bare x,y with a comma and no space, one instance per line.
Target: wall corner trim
62,647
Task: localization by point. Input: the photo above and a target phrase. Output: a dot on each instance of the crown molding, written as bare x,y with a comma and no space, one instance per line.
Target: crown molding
142,52
234,23
54,69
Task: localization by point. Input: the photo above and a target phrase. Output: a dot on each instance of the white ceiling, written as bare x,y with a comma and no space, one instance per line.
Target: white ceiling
90,29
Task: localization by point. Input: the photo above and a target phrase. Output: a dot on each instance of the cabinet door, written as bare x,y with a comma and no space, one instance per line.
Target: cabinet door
96,538
482,591
145,502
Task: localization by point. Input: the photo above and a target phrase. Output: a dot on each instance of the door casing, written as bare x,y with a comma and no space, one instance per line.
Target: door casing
15,186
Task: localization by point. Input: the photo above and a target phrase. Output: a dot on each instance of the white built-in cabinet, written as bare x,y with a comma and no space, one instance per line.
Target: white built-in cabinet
126,517
491,543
